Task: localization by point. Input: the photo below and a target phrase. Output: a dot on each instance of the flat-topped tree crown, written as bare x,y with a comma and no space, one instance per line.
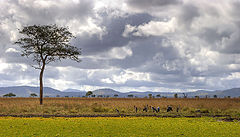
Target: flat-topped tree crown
45,44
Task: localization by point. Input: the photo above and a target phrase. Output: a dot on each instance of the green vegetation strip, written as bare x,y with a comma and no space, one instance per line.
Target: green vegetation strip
117,126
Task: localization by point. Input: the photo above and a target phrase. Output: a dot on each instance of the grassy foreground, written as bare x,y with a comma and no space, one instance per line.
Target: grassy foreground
108,106
127,126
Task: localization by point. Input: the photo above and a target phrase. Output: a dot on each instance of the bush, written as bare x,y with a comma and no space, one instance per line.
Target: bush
99,109
204,111
9,95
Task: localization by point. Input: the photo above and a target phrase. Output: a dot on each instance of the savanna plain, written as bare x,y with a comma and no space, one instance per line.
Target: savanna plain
118,117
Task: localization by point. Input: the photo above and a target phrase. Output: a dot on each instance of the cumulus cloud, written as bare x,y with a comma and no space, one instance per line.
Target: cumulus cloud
152,28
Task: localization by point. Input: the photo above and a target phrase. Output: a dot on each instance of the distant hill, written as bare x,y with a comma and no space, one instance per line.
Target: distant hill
72,93
73,90
234,92
25,91
106,92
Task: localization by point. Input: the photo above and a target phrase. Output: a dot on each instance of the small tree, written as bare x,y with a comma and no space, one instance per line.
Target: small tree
45,44
176,95
115,95
150,95
158,95
197,97
89,93
9,95
130,95
33,95
184,95
214,96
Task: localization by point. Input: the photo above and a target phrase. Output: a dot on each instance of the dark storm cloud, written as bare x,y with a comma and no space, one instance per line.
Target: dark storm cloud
86,63
4,42
235,9
93,45
48,13
146,47
212,35
146,51
231,45
188,13
114,27
152,3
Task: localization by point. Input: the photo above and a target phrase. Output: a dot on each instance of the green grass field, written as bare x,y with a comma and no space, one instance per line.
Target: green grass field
117,126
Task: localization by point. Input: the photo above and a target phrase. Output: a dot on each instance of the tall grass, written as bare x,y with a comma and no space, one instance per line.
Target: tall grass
92,106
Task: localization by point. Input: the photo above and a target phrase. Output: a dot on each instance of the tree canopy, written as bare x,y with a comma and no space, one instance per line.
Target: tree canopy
47,43
33,95
89,93
9,95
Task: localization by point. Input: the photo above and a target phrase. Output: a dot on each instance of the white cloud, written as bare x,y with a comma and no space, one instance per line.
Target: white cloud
3,65
156,28
60,84
232,76
124,76
107,80
114,53
11,50
120,53
128,29
234,67
90,28
153,28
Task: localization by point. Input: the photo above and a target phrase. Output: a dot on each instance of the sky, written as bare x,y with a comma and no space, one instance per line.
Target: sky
129,45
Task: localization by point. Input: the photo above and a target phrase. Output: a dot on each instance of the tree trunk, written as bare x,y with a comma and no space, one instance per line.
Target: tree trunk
41,84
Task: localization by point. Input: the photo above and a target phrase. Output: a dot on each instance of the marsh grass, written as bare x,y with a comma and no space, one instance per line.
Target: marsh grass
93,106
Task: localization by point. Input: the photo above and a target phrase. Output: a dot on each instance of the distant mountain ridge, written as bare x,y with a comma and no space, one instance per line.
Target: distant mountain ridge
106,92
25,91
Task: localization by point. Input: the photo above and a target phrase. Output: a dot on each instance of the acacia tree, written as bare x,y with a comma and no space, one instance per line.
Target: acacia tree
33,95
89,93
150,95
45,44
9,95
176,95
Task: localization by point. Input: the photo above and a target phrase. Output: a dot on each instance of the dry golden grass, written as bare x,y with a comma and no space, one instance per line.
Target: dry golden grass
93,106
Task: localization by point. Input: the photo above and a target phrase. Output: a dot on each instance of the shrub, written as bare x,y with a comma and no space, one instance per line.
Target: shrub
9,95
99,109
204,111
